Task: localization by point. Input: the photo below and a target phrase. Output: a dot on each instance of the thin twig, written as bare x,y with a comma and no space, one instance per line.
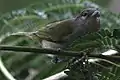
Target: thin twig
40,50
58,76
55,52
5,71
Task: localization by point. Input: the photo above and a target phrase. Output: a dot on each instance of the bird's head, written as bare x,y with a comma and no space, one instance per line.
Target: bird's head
90,17
90,13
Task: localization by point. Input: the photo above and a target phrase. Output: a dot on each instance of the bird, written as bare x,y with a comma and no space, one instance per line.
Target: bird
60,34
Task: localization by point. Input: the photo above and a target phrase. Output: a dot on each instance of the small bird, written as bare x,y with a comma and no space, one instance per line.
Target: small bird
59,35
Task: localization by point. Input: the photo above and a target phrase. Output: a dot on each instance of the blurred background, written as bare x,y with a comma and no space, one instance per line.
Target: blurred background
6,5
31,15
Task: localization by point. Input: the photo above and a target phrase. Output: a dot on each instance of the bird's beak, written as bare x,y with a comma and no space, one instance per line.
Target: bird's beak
96,13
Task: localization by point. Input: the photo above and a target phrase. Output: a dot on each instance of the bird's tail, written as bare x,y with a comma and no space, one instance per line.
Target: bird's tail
39,35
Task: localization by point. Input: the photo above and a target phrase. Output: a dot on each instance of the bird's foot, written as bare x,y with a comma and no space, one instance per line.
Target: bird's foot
56,59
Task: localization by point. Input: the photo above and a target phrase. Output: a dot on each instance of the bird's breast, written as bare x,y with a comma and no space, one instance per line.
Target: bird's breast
50,45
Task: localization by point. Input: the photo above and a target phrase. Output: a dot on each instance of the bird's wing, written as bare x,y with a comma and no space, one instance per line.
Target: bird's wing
59,30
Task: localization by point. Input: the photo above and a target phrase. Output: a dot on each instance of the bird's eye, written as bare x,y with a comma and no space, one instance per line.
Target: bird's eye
84,14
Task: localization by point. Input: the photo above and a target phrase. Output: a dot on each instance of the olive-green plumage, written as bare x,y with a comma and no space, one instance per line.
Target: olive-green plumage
60,34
